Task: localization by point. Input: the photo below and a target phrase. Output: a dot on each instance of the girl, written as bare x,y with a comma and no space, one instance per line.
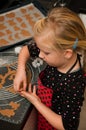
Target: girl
60,40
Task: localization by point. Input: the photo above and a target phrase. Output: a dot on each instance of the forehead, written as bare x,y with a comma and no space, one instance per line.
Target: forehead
46,39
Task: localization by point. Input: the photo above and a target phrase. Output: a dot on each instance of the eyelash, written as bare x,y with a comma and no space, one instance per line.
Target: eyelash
46,53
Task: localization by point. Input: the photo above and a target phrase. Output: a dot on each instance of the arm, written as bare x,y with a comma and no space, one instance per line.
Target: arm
54,119
20,81
20,77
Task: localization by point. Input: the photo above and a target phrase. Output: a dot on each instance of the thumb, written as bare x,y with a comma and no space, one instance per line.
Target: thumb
24,85
24,94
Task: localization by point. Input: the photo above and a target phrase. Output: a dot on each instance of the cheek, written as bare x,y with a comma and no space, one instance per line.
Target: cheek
56,59
51,59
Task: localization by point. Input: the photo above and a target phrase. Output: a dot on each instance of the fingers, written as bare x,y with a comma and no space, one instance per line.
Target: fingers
32,88
31,91
15,86
30,94
24,94
20,86
24,85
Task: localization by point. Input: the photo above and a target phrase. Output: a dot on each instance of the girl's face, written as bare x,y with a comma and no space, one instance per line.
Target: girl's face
51,56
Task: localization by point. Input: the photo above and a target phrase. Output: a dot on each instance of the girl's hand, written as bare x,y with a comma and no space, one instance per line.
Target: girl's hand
20,81
31,94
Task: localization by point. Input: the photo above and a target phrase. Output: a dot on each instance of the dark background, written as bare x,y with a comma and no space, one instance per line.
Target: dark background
78,6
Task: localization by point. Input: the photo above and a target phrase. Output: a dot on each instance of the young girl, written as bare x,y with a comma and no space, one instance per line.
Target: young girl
60,40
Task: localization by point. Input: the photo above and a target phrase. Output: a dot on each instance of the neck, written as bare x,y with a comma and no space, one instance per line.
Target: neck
68,64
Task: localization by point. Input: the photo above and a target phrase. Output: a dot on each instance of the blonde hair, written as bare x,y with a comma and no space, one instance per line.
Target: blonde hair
70,28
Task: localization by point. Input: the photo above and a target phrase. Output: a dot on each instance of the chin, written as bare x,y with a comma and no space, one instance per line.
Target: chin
51,65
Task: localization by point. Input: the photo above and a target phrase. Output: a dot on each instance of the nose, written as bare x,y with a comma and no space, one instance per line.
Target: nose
41,55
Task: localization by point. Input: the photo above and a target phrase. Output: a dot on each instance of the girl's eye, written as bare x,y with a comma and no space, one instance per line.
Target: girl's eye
46,53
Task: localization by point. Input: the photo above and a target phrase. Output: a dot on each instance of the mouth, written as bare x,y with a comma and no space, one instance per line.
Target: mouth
44,60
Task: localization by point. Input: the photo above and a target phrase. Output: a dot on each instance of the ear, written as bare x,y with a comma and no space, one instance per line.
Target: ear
68,53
